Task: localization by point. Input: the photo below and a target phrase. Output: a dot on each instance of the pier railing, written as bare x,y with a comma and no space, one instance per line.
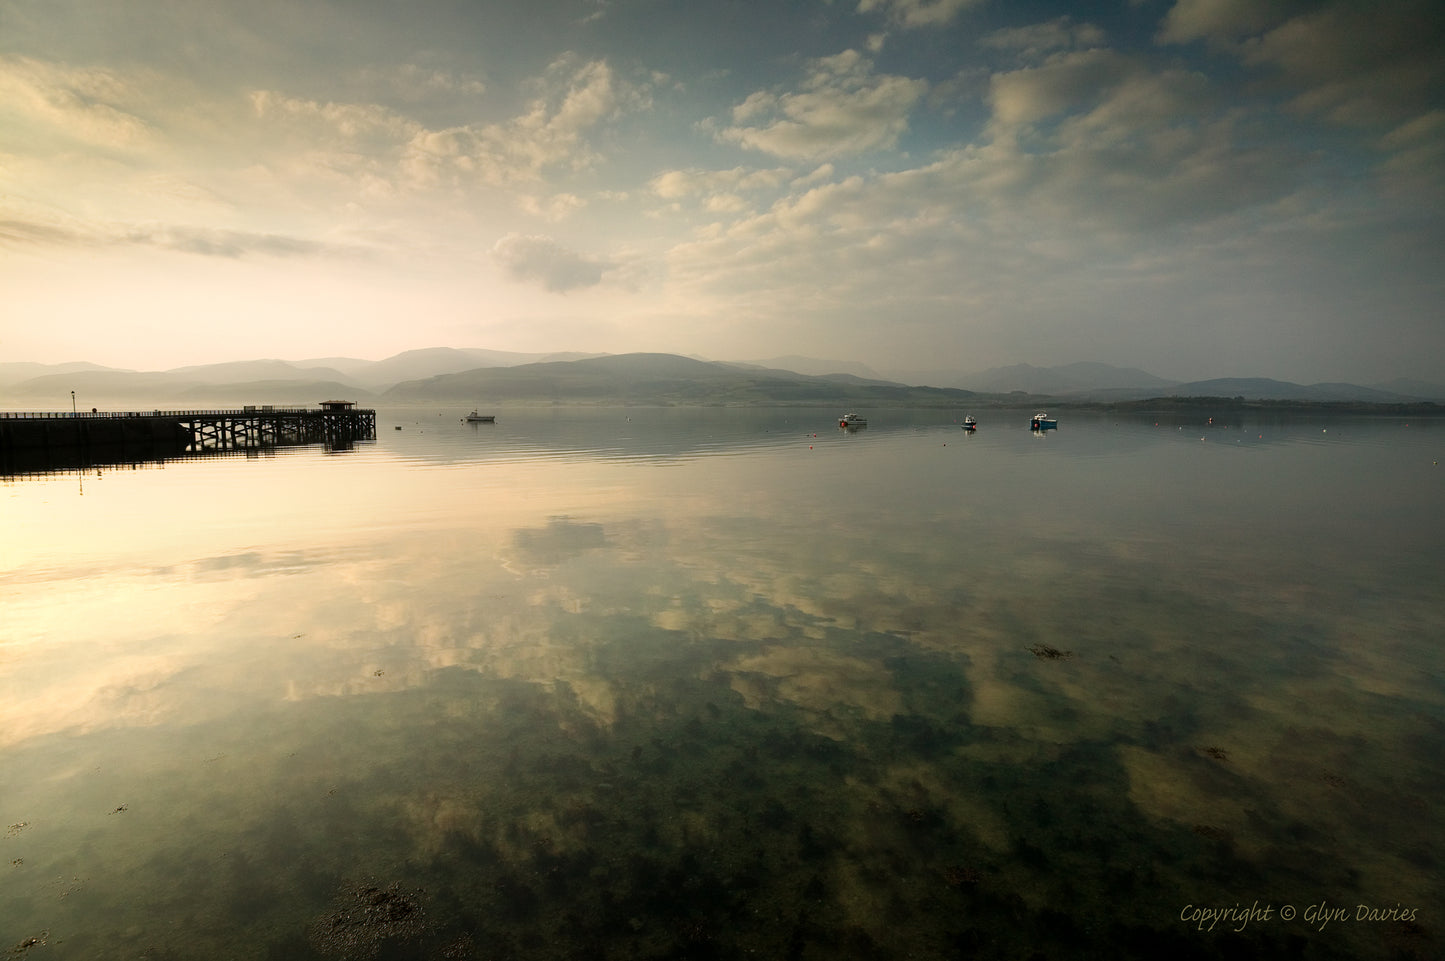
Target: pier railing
116,414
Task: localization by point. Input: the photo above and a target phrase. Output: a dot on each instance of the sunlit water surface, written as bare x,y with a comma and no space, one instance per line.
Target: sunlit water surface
732,683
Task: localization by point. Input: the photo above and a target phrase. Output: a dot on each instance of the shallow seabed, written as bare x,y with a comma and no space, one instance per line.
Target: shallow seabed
733,683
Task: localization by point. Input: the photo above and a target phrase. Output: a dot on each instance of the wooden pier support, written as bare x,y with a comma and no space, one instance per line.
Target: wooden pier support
101,437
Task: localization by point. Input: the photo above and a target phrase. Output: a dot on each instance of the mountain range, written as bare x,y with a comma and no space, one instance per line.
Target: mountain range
475,376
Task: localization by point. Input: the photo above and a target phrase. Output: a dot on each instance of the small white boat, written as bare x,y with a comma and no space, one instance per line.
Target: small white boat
852,420
969,423
475,418
1043,421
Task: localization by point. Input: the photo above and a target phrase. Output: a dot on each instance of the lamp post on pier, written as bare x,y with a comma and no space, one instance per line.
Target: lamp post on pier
72,403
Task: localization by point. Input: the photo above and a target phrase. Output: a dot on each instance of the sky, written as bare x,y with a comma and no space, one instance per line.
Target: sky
1200,188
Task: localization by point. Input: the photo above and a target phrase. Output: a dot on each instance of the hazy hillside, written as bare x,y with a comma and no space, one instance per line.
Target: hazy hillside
111,389
475,376
655,379
1068,379
14,372
1263,388
816,367
281,393
95,388
1413,388
434,361
240,371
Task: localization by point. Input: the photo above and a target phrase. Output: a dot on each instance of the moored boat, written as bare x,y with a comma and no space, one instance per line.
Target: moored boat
969,423
476,418
852,420
1042,421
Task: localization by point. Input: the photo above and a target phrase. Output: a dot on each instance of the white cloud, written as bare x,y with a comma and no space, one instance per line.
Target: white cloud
553,208
1417,158
543,260
918,13
1061,33
1096,157
676,184
335,122
843,108
551,133
817,175
32,225
1222,20
95,106
1064,81
416,83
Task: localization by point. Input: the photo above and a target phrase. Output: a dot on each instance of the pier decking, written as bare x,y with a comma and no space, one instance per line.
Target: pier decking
59,438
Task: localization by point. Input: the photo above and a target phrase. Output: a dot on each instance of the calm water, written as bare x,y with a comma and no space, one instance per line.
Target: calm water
732,683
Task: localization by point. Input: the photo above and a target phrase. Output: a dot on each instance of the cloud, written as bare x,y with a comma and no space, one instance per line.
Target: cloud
554,208
1222,20
211,242
918,13
1360,64
415,83
717,188
334,122
1417,157
35,227
95,106
1064,81
21,233
1095,158
1031,42
545,261
843,108
382,150
551,133
1353,63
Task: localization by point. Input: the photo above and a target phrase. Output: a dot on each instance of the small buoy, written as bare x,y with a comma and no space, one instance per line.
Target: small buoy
1323,431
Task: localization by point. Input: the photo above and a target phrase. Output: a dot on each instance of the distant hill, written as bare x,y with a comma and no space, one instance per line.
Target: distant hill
1263,388
97,387
476,375
1407,387
14,372
1068,379
281,393
124,388
432,361
240,371
657,379
816,367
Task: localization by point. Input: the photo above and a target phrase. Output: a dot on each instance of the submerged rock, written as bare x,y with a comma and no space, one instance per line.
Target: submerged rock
366,916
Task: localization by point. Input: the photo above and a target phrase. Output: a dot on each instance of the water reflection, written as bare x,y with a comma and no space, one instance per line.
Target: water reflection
788,702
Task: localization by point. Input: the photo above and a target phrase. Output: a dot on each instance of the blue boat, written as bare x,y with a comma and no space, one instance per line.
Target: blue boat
1043,421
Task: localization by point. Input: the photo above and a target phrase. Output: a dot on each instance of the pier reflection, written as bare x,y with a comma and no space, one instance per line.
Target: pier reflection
27,463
